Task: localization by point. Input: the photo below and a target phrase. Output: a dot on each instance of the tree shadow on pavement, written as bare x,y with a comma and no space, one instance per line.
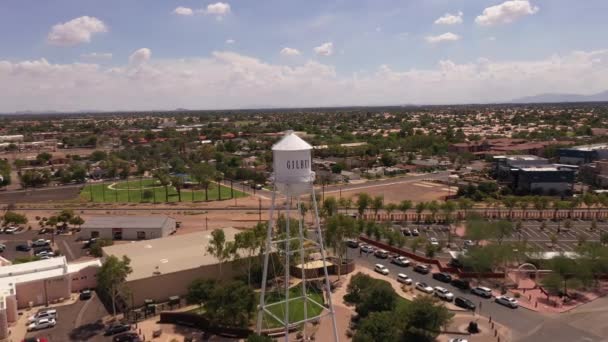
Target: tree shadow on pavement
87,331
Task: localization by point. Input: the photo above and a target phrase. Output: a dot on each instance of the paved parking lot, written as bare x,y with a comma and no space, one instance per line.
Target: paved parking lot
66,244
567,239
80,321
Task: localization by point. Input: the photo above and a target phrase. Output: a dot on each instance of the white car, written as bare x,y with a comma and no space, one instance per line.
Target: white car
42,323
381,269
434,241
444,294
424,287
43,254
403,278
48,313
11,230
366,248
41,243
458,339
507,301
401,261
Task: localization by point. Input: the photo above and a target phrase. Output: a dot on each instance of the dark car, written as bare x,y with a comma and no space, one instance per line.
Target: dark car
117,329
89,242
352,243
23,248
406,232
442,277
127,337
35,339
86,294
44,231
422,269
464,303
461,284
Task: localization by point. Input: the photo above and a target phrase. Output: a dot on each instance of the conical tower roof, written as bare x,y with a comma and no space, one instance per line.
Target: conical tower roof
291,142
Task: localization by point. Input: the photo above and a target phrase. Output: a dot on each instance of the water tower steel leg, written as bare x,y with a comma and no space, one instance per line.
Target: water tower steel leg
328,288
267,252
287,243
300,224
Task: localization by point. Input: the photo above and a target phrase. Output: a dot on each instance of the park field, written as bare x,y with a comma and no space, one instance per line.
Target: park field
150,191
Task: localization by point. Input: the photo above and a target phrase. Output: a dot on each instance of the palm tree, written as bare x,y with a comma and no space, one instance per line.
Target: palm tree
523,206
377,204
465,204
510,202
178,183
164,180
590,200
433,207
420,206
363,201
218,177
390,208
448,208
217,247
404,206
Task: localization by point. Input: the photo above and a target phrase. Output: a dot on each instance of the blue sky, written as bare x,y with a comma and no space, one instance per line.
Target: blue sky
376,48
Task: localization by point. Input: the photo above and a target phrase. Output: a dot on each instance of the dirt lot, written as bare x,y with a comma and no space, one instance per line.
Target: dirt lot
396,192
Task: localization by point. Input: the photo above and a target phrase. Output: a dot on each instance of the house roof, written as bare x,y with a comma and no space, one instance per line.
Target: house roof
168,255
126,222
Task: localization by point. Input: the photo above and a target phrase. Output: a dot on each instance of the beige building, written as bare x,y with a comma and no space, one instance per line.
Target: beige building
41,283
165,267
128,227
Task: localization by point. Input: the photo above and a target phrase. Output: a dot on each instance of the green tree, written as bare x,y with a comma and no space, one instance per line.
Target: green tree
231,304
165,180
96,249
330,206
217,247
363,202
404,206
424,317
258,338
338,228
416,243
380,297
5,173
377,204
12,217
200,290
111,278
378,326
178,183
420,206
202,174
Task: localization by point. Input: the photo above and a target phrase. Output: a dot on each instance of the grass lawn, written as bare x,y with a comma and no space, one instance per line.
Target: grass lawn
296,306
150,191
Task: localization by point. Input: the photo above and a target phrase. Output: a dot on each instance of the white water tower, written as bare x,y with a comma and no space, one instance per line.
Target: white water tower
293,178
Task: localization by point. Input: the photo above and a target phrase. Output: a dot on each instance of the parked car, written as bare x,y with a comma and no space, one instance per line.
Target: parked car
44,253
403,278
424,287
415,232
367,249
86,294
381,253
2,247
89,242
44,231
23,248
41,243
127,337
35,339
458,339
11,230
434,242
442,277
42,323
461,284
45,313
507,301
482,292
401,261
381,269
116,329
443,293
464,303
352,243
406,232
422,269
468,243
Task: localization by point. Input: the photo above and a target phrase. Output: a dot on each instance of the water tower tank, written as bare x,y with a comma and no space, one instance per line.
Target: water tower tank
292,165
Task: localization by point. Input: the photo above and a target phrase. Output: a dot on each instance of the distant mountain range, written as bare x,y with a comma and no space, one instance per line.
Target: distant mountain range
557,98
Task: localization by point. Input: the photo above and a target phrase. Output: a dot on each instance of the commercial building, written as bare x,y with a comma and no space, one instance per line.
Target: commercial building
40,283
583,154
163,268
527,174
128,227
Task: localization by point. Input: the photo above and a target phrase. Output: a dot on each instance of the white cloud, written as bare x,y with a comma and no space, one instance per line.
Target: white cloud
231,80
140,56
325,49
287,51
97,55
219,9
183,11
450,19
230,41
75,31
446,37
506,13
491,38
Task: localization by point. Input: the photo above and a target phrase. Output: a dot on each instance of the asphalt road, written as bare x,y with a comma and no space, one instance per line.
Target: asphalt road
520,320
